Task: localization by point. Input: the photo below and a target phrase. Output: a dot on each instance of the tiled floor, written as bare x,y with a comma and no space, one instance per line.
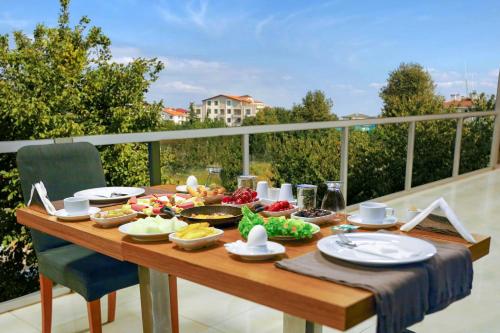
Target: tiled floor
476,201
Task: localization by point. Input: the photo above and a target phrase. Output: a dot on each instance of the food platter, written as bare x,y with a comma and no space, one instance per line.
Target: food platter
130,229
327,217
108,222
187,214
316,230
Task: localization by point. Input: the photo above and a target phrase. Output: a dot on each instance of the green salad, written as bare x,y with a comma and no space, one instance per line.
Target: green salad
275,226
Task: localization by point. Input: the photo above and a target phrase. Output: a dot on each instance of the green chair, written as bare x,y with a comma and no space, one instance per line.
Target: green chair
64,170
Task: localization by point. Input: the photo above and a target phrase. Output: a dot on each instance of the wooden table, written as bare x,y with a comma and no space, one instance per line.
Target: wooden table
300,297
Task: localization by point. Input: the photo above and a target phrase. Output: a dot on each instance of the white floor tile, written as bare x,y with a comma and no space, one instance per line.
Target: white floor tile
10,323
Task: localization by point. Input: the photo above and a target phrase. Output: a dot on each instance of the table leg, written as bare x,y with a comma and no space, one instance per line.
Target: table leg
155,301
292,324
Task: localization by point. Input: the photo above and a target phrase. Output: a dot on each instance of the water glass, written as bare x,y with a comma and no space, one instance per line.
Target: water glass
247,181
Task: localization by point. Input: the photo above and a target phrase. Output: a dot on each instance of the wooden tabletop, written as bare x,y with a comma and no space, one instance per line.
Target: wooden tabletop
316,300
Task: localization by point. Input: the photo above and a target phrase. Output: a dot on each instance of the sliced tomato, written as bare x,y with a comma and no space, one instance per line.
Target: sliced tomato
138,208
132,200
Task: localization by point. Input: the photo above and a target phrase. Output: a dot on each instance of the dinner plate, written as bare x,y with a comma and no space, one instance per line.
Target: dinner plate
104,194
288,238
393,249
62,214
124,228
241,249
388,222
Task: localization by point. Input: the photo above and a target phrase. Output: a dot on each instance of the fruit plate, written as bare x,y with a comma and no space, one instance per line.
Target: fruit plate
291,238
315,220
109,222
197,243
215,209
249,204
287,212
149,237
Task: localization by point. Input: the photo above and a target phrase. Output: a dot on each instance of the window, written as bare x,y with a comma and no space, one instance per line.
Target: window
208,111
228,102
238,120
228,111
198,111
248,111
216,103
221,111
228,120
209,102
216,111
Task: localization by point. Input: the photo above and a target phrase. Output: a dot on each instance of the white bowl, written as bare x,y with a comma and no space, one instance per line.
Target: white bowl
197,243
315,220
287,212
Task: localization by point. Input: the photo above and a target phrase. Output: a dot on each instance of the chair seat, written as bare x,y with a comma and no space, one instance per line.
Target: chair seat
89,273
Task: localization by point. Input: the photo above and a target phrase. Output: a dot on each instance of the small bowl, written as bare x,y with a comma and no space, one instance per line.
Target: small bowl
197,243
109,222
315,220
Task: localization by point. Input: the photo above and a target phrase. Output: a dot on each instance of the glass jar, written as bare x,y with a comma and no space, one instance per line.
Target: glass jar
306,196
333,199
247,181
214,179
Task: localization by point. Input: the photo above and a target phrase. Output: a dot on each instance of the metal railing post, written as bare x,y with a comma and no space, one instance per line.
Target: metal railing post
458,147
344,159
409,155
245,142
495,141
154,163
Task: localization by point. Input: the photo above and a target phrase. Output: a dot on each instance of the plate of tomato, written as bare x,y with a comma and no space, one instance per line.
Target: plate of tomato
279,208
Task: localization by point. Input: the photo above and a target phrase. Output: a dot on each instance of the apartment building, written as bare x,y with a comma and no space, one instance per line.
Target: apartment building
231,109
177,115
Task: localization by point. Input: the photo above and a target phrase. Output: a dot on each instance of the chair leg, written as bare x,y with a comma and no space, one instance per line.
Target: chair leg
46,301
111,306
94,313
174,306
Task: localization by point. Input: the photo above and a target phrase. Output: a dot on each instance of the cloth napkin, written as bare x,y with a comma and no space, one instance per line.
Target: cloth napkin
403,294
42,194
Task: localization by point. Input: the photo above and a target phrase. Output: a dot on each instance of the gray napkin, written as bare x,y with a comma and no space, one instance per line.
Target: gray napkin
403,294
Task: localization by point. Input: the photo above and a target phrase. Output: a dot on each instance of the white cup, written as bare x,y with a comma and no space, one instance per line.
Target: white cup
76,206
273,193
262,189
374,212
286,192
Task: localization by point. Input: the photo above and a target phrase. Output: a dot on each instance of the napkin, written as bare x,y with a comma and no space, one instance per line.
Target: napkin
42,194
384,249
450,214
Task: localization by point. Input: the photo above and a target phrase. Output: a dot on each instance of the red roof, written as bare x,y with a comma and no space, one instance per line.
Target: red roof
176,112
243,98
462,103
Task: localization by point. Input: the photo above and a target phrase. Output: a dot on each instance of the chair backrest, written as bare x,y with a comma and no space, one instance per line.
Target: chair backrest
64,169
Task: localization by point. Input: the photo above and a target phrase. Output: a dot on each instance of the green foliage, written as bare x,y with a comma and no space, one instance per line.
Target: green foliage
315,107
62,82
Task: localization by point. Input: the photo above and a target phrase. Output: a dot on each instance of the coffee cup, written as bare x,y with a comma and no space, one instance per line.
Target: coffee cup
262,189
76,206
273,193
286,193
374,212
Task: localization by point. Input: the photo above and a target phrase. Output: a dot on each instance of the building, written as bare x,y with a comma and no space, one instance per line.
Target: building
229,108
359,116
460,103
178,115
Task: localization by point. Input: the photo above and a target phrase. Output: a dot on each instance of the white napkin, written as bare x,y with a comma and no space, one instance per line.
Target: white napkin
384,249
42,193
450,214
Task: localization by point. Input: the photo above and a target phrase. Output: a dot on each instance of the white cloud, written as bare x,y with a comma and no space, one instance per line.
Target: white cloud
179,86
376,85
14,23
259,27
124,54
493,73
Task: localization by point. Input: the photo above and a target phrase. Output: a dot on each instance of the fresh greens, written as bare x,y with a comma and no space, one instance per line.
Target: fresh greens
275,226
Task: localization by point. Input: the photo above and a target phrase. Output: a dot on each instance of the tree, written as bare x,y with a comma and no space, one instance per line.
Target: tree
192,118
62,82
315,106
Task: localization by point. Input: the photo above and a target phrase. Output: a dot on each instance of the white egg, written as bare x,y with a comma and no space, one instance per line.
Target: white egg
257,236
192,181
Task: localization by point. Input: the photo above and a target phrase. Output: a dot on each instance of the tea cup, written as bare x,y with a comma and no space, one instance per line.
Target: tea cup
374,212
76,206
286,193
262,189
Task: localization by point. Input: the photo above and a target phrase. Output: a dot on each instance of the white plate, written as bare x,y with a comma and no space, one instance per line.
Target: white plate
408,249
388,222
241,249
315,220
288,238
101,194
181,188
146,237
198,243
280,213
108,222
62,214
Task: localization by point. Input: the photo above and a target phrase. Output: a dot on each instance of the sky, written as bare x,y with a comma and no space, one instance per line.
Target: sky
276,50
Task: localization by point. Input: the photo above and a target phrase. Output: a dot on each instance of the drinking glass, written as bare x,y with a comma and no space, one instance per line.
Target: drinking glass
214,179
333,199
247,181
306,196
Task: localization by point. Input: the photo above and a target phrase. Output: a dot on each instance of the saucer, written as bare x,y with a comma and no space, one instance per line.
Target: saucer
388,222
242,250
62,214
